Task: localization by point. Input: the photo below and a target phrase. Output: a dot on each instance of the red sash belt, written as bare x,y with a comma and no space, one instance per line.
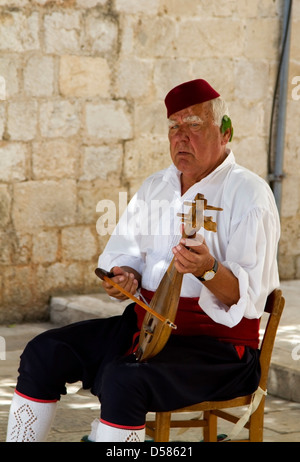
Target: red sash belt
192,320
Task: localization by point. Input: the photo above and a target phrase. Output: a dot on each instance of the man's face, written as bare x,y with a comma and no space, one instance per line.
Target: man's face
197,145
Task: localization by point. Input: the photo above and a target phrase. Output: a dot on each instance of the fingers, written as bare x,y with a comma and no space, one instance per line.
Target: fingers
191,260
124,279
196,241
183,256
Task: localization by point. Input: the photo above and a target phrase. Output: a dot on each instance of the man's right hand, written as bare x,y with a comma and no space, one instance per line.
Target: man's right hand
125,277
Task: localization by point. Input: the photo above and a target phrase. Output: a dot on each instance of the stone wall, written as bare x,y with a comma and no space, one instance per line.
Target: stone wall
82,118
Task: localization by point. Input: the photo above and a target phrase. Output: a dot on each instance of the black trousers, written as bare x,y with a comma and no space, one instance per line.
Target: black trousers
188,370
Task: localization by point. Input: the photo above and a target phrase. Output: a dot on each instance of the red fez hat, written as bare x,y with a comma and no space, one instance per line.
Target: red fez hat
189,93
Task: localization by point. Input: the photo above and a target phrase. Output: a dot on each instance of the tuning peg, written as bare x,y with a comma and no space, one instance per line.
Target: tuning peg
211,207
209,224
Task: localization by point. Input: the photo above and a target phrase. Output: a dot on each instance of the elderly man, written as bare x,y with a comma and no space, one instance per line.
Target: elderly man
227,277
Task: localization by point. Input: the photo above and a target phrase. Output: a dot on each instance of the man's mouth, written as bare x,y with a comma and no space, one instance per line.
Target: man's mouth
183,153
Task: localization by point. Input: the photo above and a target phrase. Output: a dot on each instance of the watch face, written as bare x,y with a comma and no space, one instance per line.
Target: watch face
209,275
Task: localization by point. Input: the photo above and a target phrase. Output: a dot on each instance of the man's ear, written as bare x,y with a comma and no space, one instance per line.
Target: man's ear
225,125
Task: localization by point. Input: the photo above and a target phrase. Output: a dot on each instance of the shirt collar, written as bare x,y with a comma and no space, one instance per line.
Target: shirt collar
172,174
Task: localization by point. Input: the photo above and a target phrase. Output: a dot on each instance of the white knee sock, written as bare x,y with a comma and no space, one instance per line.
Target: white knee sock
93,434
29,420
109,433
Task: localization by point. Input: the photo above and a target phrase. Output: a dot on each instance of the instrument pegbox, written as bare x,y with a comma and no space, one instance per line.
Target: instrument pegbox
195,219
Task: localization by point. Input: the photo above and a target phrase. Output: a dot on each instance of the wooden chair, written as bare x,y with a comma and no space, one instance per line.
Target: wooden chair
159,429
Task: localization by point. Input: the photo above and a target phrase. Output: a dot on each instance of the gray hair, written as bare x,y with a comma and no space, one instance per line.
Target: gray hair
219,109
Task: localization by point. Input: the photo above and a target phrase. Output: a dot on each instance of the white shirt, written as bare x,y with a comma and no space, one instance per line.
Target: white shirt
248,231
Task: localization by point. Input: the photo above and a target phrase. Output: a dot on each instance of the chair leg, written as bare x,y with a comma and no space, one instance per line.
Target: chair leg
210,429
256,427
162,427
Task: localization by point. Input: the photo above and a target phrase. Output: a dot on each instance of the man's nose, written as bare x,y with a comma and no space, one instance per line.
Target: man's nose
183,131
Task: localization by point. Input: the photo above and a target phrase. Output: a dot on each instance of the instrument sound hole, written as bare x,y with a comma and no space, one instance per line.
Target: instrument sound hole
149,331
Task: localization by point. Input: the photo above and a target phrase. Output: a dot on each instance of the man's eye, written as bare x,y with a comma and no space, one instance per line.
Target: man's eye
195,125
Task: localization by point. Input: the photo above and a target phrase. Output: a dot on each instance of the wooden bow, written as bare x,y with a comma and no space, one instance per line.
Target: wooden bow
106,276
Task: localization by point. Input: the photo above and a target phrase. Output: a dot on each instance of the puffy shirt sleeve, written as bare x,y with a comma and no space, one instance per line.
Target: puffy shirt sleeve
124,245
251,256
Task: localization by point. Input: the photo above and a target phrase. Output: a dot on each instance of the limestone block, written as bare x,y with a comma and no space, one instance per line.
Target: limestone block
84,76
13,161
14,2
90,193
59,118
5,203
286,266
44,203
39,76
134,78
267,9
62,32
291,157
5,248
247,118
78,243
218,72
101,33
250,152
9,67
2,119
296,10
15,248
144,122
290,202
45,246
292,118
250,80
90,3
22,120
206,38
154,37
184,7
290,238
22,245
2,88
262,38
55,159
148,7
295,31
109,120
19,285
91,282
145,156
99,161
56,277
19,32
127,26
168,73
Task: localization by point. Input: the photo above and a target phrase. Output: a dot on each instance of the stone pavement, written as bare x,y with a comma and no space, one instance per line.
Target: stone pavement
76,411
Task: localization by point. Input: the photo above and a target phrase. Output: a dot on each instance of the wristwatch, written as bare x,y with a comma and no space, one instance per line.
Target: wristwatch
210,274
